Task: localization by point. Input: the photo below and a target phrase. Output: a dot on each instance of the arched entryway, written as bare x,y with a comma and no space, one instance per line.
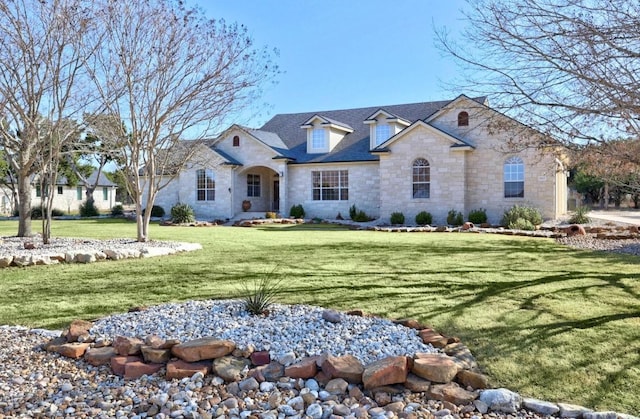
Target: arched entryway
260,187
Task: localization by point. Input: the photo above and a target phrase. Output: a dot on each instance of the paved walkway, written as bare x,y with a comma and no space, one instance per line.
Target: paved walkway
630,216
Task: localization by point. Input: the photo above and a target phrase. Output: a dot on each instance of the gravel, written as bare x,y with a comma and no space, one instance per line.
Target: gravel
590,242
298,328
34,383
15,246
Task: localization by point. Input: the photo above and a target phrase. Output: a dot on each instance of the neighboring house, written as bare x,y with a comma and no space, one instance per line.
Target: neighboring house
67,198
433,156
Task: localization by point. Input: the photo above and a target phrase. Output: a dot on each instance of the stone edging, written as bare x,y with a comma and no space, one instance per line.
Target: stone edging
451,377
613,232
94,255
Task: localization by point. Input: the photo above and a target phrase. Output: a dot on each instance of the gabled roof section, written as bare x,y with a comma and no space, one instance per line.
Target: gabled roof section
266,138
228,160
354,147
482,100
390,117
324,121
456,141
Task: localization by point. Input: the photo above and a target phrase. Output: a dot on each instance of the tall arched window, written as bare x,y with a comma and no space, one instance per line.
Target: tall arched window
463,119
421,178
514,178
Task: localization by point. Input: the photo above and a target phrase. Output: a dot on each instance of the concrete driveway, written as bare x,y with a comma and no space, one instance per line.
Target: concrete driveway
625,216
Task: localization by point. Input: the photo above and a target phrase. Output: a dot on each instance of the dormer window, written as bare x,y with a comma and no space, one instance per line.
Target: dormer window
384,125
463,119
318,139
323,133
383,132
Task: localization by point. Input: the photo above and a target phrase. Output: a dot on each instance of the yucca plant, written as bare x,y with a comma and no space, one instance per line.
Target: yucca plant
260,294
580,216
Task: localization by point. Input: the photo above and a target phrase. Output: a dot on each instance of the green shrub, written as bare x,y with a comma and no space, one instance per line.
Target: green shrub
297,211
478,216
117,210
353,211
397,218
424,218
358,215
530,214
36,213
260,294
156,211
182,214
580,216
521,224
88,209
455,218
271,215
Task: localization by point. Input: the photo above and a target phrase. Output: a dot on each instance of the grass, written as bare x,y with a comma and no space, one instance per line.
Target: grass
545,320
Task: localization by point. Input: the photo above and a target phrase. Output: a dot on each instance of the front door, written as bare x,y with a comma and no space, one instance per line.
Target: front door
276,195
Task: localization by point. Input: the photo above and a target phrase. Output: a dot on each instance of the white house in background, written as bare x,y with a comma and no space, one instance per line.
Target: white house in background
432,156
66,198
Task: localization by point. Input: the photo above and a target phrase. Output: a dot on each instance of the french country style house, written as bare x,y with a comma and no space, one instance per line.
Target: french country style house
433,156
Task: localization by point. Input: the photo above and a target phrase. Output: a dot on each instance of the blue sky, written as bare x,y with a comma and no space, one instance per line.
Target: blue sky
337,54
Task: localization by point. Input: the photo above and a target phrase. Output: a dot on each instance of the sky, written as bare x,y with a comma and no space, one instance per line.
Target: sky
340,54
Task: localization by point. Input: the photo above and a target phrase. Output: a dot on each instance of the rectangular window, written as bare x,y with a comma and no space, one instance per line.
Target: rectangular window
318,140
383,132
105,193
514,178
60,190
421,179
79,193
253,185
514,189
38,191
330,185
206,185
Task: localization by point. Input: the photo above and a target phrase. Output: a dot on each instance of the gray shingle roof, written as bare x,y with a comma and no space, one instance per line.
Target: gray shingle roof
354,146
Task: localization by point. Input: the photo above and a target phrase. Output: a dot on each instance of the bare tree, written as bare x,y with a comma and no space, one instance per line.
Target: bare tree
170,73
48,161
569,68
40,62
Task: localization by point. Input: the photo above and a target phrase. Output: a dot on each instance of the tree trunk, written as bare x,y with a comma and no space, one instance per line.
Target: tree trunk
24,205
606,196
140,218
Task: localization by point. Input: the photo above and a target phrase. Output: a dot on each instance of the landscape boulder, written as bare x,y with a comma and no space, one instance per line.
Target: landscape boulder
203,348
390,370
501,400
348,367
435,367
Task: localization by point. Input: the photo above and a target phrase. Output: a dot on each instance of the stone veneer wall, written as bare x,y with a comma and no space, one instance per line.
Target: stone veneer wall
364,190
447,187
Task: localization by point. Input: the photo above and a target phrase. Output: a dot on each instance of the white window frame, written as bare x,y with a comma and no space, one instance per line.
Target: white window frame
205,185
253,185
421,178
513,176
330,185
318,138
383,133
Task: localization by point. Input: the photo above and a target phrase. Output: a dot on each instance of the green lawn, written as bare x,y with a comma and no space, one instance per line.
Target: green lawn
548,321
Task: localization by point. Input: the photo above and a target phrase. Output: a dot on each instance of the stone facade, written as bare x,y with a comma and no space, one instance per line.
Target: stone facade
364,189
273,168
